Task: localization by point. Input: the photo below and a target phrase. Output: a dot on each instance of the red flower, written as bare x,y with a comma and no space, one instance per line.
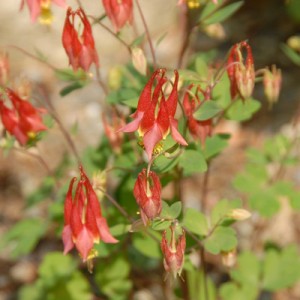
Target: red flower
173,253
154,117
147,192
80,48
241,74
22,120
36,7
119,12
198,129
84,223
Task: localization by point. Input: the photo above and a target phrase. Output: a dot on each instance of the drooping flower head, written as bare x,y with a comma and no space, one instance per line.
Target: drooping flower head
241,71
42,9
84,223
154,117
272,84
147,192
119,12
22,120
198,129
80,48
173,251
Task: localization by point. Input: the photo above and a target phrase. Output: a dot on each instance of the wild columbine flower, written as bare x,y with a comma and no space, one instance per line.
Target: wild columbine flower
241,72
22,120
154,116
272,84
119,12
147,192
42,9
198,129
173,251
80,48
84,223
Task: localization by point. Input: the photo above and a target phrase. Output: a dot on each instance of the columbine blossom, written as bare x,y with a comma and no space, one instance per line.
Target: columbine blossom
147,192
119,12
84,223
22,120
241,73
198,129
173,251
80,48
154,117
42,9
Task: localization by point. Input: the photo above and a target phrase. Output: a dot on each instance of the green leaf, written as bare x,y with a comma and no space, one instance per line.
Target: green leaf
231,291
72,87
70,75
281,269
215,145
248,270
195,221
207,110
147,246
265,201
171,212
222,208
160,225
162,164
223,13
222,239
242,111
24,236
138,41
192,161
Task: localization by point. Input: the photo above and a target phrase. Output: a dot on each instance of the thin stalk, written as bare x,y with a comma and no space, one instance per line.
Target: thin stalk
32,56
147,34
97,21
204,269
79,3
65,133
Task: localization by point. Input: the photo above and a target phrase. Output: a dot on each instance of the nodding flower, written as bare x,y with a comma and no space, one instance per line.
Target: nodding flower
154,117
22,120
241,71
84,223
42,9
173,251
119,12
198,129
147,192
79,48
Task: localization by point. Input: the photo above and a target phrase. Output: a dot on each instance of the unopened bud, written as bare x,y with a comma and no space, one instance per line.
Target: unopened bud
23,87
139,60
239,214
216,31
294,42
114,78
229,258
272,84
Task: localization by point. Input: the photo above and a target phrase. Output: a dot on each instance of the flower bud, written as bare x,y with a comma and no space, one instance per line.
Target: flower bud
294,42
272,84
173,252
239,214
147,192
139,60
229,258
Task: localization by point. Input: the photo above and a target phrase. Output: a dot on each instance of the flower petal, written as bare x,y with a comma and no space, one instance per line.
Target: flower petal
105,234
